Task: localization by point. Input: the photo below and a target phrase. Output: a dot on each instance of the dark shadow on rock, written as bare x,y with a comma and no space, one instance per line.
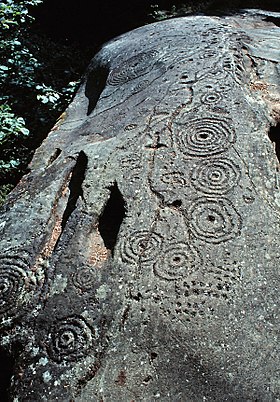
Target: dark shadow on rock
112,218
6,372
274,136
96,82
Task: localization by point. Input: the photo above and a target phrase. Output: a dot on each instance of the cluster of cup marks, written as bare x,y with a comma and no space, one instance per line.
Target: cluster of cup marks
212,217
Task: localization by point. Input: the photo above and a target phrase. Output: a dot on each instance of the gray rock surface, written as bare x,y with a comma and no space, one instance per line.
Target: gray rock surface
139,257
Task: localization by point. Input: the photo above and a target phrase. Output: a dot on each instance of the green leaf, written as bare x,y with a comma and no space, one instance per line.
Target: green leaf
24,131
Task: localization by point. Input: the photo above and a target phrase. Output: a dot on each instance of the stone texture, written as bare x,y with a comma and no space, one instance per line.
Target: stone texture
139,257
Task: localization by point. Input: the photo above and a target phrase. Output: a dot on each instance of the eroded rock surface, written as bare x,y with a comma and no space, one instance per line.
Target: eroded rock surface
139,257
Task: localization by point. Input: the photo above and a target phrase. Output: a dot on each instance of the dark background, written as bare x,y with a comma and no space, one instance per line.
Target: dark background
90,22
93,22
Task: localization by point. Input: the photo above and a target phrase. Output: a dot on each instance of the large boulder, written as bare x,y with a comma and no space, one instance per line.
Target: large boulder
139,257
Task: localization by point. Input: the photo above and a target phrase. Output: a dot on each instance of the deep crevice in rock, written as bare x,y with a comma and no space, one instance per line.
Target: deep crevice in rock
6,372
176,203
112,217
75,187
274,136
274,20
54,156
96,82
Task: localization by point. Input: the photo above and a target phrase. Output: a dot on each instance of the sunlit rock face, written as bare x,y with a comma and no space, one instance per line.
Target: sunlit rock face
139,257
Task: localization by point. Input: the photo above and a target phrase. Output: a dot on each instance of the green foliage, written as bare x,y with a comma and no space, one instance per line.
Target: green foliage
38,78
10,125
14,14
180,10
12,129
159,14
4,191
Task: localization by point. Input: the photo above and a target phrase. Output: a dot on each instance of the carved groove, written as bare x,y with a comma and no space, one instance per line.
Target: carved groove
215,176
214,220
12,287
140,246
173,178
211,98
213,87
71,339
178,260
141,86
84,278
203,137
134,67
15,281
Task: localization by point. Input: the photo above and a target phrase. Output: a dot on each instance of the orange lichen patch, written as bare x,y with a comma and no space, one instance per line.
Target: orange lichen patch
271,97
121,379
49,246
259,86
56,232
57,229
65,190
59,121
98,253
276,113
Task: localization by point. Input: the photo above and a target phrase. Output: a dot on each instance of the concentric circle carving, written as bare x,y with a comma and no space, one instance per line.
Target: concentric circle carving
178,260
84,278
209,53
134,67
211,98
12,287
203,137
214,220
217,74
15,281
141,246
71,338
215,176
141,86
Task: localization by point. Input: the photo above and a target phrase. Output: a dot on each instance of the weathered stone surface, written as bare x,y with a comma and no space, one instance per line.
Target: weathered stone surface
139,257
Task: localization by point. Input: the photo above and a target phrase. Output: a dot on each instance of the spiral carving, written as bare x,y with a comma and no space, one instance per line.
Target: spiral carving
215,176
71,338
214,220
12,285
84,278
178,260
202,137
141,246
134,67
15,281
141,86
